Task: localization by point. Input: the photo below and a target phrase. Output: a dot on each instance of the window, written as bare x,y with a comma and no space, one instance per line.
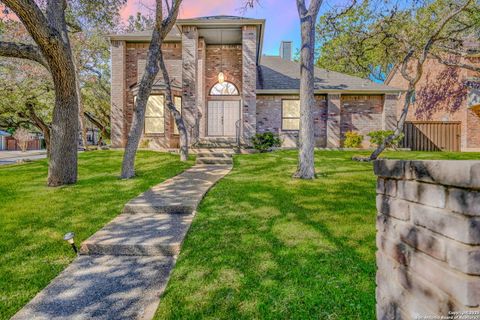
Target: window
224,89
290,114
155,115
178,105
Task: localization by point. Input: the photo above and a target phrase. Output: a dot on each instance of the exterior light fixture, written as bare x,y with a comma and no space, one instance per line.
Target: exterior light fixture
221,77
69,237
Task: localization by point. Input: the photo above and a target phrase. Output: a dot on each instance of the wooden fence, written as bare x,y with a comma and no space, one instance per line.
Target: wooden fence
432,135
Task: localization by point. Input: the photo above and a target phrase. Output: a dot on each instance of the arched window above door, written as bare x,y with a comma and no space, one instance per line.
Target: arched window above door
224,89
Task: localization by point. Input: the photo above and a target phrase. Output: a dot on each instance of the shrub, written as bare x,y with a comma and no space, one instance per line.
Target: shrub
352,139
378,137
265,141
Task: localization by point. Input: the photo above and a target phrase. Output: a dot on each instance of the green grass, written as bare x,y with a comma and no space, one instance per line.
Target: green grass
34,218
266,246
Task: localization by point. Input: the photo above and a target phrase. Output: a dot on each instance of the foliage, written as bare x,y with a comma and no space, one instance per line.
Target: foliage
265,141
264,246
23,136
374,35
352,139
31,230
378,137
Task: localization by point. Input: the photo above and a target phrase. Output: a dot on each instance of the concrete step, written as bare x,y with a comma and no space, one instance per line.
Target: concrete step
151,234
102,288
214,150
214,155
215,161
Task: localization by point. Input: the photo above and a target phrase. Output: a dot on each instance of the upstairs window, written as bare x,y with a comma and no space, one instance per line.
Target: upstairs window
224,89
290,114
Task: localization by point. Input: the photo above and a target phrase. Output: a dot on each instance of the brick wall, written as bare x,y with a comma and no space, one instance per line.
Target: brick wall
428,238
136,56
249,82
361,114
189,81
117,119
226,59
269,118
473,128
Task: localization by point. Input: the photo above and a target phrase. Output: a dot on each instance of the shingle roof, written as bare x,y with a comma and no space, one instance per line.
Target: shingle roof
277,74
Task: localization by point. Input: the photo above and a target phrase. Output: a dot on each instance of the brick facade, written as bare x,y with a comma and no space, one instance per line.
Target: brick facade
428,238
442,96
362,114
269,118
194,64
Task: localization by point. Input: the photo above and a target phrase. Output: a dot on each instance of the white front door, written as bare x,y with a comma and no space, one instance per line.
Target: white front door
222,118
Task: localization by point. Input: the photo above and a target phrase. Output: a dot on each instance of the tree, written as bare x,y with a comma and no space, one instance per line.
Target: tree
444,30
377,36
154,63
308,19
52,50
22,136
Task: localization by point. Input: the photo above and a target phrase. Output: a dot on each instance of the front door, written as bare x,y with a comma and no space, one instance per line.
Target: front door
222,118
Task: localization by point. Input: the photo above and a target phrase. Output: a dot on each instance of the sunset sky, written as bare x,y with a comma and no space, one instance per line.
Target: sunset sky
281,15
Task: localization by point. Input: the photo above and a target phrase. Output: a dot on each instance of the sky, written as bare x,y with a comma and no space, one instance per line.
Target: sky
281,15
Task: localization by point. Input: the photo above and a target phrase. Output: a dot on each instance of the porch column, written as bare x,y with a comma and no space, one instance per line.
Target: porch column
202,51
117,117
249,82
189,80
333,121
389,113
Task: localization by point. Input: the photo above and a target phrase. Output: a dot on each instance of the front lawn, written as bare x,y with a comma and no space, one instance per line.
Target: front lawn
34,218
265,246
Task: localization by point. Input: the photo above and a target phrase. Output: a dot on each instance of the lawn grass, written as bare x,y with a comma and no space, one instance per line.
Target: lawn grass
34,218
266,246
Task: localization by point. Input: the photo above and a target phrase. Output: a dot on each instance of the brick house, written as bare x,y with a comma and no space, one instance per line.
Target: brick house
446,95
227,90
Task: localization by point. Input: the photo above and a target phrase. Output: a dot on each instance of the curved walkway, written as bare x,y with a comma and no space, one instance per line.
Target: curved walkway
123,269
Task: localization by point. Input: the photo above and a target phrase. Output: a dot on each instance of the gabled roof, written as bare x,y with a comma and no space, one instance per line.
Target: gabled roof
277,75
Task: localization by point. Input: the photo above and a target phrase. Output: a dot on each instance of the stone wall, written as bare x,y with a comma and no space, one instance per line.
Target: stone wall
428,239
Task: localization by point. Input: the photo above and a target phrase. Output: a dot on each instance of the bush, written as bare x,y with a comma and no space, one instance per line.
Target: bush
265,141
352,139
378,137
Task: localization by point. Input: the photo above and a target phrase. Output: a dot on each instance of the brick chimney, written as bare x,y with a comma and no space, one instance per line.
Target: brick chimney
286,50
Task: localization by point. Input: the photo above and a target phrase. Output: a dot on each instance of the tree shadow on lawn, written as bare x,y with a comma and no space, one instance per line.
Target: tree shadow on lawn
266,246
34,217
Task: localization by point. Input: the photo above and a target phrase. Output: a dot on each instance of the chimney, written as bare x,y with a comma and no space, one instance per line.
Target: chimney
286,50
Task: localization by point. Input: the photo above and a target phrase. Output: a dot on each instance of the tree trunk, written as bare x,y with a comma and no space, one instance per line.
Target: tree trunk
306,165
40,124
81,115
151,71
400,124
49,31
182,130
162,27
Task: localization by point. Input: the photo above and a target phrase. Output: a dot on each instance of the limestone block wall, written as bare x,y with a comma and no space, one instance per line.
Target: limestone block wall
428,239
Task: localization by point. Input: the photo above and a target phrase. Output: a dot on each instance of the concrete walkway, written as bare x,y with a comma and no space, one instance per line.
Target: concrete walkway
124,268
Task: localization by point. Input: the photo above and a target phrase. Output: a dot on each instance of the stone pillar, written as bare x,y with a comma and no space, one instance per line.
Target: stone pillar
389,113
249,82
428,239
118,94
202,112
333,121
189,80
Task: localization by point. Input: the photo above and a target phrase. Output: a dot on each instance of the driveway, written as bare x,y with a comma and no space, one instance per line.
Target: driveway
12,157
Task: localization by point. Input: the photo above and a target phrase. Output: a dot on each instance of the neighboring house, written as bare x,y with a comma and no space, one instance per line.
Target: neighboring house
226,90
3,140
446,111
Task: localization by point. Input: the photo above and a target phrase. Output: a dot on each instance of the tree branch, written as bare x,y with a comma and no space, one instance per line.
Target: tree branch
23,51
456,64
